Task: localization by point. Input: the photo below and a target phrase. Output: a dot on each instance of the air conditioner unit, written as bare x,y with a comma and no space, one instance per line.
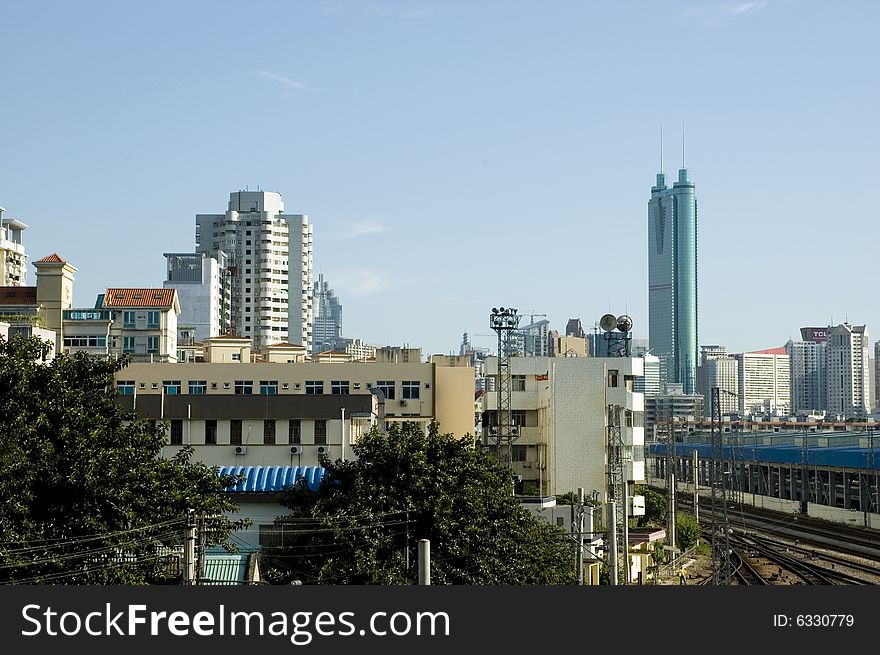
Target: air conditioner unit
323,450
241,450
403,403
295,450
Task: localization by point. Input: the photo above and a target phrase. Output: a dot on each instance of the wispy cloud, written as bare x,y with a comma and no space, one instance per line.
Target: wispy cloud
282,81
719,16
359,282
361,228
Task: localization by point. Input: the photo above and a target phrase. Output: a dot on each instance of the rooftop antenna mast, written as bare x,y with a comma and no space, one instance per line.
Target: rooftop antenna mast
683,164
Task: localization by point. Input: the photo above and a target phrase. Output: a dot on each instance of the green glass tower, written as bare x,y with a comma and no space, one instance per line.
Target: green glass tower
672,280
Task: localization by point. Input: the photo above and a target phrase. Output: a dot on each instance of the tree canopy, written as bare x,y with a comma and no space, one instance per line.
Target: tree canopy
363,524
86,496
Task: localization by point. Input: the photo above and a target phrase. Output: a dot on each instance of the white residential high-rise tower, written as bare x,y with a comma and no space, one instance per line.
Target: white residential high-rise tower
269,267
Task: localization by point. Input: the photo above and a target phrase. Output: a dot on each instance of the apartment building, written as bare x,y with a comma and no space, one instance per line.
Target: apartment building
560,411
280,414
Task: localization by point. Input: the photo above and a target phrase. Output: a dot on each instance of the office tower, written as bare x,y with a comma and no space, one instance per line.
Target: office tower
719,369
327,326
13,259
574,328
269,267
846,372
808,377
764,382
649,383
672,280
203,292
875,382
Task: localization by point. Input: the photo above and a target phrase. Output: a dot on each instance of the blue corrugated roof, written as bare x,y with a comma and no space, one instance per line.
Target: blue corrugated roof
834,456
273,478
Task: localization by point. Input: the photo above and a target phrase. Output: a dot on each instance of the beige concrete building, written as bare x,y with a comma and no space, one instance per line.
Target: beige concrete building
277,414
13,258
560,406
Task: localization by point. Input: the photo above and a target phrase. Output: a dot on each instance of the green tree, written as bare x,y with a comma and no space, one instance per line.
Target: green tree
655,507
687,531
86,496
364,522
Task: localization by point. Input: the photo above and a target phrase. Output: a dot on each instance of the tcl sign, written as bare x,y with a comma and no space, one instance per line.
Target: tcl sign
814,334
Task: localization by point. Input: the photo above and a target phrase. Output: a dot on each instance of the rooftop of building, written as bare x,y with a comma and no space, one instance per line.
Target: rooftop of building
138,297
18,295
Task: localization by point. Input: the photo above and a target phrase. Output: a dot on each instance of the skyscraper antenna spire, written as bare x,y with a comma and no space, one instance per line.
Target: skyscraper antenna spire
683,164
661,148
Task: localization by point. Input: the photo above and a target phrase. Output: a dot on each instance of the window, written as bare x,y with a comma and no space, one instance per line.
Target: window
518,383
518,417
176,433
321,432
128,319
152,344
294,431
269,432
339,387
211,432
171,387
612,378
235,432
152,319
128,344
518,453
387,388
410,390
236,357
125,387
268,387
314,387
198,387
244,387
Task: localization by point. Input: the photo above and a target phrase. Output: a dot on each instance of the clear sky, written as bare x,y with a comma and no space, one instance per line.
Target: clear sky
458,155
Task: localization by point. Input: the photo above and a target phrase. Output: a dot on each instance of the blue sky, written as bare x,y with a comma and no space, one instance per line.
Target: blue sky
459,155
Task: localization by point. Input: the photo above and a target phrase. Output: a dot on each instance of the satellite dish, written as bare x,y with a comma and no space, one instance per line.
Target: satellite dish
608,322
624,323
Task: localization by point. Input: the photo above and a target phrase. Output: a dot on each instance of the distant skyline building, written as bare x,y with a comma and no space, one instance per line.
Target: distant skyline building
719,369
672,280
13,258
808,377
203,294
327,326
764,382
269,267
847,371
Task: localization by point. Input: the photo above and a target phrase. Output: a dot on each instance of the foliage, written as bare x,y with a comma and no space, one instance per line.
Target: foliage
655,507
86,496
363,525
687,531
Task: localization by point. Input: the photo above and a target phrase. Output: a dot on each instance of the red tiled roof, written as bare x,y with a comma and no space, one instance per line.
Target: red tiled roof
284,344
139,298
51,259
18,295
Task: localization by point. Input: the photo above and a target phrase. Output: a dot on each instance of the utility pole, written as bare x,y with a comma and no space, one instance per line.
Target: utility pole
805,472
612,543
202,537
424,562
189,549
670,464
721,567
505,322
696,476
580,536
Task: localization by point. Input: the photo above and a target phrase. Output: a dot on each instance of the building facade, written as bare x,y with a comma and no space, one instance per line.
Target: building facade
560,409
269,267
719,369
244,413
203,293
808,377
672,280
847,371
13,258
327,327
764,382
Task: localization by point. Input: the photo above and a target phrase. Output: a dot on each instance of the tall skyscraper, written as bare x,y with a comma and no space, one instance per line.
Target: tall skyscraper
764,382
672,280
269,270
719,369
327,327
848,378
807,359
